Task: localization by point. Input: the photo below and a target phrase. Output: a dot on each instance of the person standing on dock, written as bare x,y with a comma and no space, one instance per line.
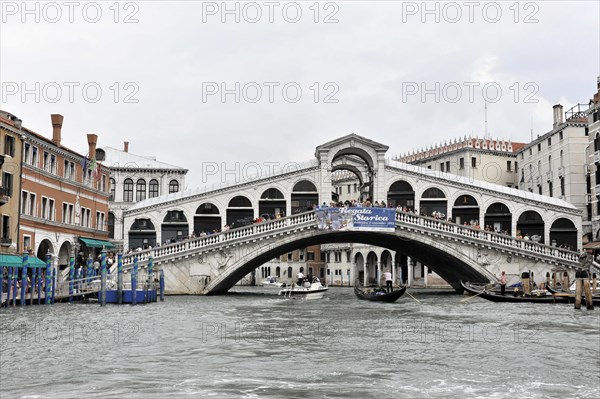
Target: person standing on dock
388,281
502,283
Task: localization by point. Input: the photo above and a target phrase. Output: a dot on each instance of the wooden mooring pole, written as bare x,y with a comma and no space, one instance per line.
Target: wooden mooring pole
162,285
103,277
565,282
589,303
134,276
24,278
47,299
119,278
71,276
578,289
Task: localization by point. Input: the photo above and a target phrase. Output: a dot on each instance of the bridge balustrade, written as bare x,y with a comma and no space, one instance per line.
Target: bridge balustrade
468,231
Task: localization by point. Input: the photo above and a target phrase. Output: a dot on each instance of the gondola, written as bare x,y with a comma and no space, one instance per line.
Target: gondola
570,296
378,295
515,298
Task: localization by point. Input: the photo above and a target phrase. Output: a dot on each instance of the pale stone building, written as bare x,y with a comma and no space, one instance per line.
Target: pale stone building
135,178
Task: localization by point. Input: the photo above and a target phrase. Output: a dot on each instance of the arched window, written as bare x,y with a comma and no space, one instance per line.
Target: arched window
128,190
140,190
561,157
113,186
549,163
153,189
173,186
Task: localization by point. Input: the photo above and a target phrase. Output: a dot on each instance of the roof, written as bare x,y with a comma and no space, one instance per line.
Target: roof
115,159
481,184
267,174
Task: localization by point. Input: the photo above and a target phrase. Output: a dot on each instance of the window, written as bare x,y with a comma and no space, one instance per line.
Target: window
140,190
550,191
65,209
128,190
560,135
112,190
562,186
173,186
530,152
448,166
508,166
5,226
103,184
9,145
24,196
539,147
26,153
539,189
289,256
301,254
46,160
461,163
70,220
51,211
442,166
549,141
153,188
32,204
428,166
354,187
473,162
7,183
516,166
27,242
100,220
44,210
34,152
338,256
52,163
310,256
348,188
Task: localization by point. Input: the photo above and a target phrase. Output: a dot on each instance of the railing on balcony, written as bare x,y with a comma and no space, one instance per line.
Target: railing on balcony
549,175
577,112
561,171
5,241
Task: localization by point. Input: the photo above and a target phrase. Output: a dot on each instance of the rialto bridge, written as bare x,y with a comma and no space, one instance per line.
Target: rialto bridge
456,247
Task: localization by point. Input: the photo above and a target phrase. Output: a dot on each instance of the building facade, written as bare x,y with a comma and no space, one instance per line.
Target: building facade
11,151
593,166
555,163
63,198
135,178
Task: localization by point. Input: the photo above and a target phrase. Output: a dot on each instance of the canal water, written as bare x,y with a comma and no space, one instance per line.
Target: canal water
251,345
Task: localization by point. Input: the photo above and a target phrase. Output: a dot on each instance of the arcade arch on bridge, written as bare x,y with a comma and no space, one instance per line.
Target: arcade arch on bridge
433,200
304,196
240,211
563,233
531,225
272,204
465,209
499,217
142,234
175,226
401,194
207,219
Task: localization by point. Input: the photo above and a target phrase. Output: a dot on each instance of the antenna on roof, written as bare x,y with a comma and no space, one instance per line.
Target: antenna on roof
487,136
532,128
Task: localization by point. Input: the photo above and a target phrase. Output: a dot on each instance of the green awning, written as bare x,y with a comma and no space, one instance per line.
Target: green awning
93,243
17,261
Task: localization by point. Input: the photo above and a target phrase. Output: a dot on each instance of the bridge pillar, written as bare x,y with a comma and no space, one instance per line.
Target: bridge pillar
425,273
378,276
411,271
365,276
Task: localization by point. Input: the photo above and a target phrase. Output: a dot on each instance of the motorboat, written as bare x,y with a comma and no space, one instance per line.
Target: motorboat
271,281
311,288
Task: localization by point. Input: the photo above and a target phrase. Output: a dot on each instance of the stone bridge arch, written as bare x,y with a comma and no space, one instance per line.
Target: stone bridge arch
453,263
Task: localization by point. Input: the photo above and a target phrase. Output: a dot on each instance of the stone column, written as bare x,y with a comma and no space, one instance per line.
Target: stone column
425,273
411,271
378,276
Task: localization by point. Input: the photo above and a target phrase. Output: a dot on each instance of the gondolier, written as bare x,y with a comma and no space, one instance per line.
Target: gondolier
388,281
503,283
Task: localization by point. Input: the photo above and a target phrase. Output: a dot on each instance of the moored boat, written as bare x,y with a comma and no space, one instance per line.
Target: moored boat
538,296
378,294
271,281
310,289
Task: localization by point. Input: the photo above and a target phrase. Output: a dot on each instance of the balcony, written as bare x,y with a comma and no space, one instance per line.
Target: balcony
561,171
549,175
4,195
5,241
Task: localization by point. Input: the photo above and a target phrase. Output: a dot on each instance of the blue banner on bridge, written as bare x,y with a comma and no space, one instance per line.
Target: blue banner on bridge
363,219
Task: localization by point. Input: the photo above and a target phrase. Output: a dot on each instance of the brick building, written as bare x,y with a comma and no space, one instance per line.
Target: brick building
63,199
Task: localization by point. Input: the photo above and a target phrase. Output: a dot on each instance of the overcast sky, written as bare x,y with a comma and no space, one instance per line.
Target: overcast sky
362,67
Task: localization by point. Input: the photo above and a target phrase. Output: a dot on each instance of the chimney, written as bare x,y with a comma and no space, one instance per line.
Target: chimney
126,146
558,115
57,121
92,139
